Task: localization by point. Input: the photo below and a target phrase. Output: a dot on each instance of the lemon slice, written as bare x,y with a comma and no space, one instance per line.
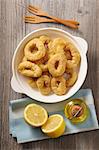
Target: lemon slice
55,126
35,115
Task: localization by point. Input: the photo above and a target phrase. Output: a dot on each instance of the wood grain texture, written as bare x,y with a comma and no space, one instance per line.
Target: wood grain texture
13,29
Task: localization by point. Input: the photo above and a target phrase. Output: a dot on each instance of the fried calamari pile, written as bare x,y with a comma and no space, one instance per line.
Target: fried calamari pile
50,64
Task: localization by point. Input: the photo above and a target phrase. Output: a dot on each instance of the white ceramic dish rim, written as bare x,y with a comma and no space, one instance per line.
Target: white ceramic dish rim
20,89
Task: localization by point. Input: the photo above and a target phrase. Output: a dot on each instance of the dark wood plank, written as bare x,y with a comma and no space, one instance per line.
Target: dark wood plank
13,29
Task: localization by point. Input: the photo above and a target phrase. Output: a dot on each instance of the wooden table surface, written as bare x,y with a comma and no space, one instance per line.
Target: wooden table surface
13,29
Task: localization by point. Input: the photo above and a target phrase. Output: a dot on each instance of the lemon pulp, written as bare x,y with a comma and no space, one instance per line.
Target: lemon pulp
54,127
35,115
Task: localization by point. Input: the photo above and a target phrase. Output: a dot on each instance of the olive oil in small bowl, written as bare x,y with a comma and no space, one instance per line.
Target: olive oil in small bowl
76,111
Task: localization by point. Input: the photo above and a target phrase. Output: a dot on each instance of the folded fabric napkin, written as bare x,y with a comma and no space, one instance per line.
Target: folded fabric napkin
25,133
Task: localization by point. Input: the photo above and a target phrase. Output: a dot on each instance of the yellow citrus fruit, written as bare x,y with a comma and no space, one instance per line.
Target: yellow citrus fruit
54,126
35,115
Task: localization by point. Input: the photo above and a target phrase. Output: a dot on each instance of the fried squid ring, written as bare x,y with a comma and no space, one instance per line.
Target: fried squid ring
50,50
58,85
29,69
58,42
32,82
56,46
44,84
42,63
34,50
44,67
45,39
73,56
67,54
57,65
42,60
72,77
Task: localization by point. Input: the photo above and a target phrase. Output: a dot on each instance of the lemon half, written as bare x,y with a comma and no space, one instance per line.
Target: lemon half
35,115
55,126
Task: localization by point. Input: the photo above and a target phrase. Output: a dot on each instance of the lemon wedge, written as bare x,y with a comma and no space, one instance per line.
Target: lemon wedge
54,127
35,115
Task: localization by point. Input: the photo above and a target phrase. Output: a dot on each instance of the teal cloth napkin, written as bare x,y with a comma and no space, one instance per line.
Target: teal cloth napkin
25,133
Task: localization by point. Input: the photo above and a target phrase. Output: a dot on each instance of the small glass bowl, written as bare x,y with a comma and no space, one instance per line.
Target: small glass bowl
76,111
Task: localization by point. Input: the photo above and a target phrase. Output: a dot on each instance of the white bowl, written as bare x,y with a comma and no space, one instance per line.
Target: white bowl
18,81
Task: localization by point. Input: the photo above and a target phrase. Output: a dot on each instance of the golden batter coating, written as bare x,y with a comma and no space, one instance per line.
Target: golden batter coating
73,75
44,84
34,50
32,82
57,65
29,69
58,85
73,56
50,64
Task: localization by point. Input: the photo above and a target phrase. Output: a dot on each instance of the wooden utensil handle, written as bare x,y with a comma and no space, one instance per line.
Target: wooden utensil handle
69,21
63,22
